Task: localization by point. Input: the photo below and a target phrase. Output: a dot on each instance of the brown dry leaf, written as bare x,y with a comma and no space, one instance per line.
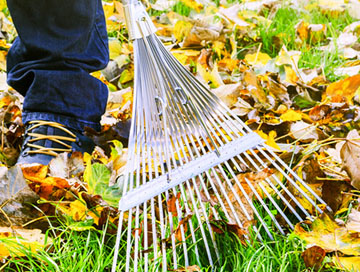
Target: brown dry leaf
200,32
344,88
228,64
353,224
301,130
35,172
192,268
51,188
313,33
184,222
171,204
326,234
228,93
332,194
320,113
245,213
313,257
251,81
232,13
350,155
302,30
14,240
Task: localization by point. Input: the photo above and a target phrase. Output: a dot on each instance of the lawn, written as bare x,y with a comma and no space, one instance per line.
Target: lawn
302,58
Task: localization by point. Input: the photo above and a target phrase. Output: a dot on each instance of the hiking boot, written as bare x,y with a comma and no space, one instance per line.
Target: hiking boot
44,140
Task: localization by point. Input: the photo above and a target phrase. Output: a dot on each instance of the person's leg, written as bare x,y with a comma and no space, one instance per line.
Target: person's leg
59,44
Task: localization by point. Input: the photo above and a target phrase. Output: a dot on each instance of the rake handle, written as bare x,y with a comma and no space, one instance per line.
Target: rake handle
137,20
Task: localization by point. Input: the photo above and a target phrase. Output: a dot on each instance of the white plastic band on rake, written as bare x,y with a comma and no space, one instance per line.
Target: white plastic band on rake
189,170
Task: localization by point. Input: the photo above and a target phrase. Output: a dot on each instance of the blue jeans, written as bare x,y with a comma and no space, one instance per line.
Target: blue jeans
59,44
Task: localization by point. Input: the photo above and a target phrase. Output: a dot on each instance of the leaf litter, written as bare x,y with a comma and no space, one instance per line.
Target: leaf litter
307,113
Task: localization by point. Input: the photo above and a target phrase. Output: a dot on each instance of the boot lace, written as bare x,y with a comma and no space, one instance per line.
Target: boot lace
52,151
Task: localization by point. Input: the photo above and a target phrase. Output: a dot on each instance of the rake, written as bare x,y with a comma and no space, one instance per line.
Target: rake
193,165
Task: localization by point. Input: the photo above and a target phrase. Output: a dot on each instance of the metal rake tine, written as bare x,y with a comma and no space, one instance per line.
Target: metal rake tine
292,181
283,187
198,217
235,194
121,217
154,134
298,179
196,209
254,164
275,205
202,95
250,202
196,109
181,227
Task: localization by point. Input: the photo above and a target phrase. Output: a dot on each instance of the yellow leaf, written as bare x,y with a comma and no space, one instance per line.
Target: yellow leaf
288,58
302,30
126,76
181,57
79,211
228,63
346,88
291,76
326,234
182,29
257,58
348,263
215,77
269,139
5,101
3,4
291,116
193,4
115,48
218,47
14,240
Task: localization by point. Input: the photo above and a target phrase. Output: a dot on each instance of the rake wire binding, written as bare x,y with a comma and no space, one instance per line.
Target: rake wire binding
192,163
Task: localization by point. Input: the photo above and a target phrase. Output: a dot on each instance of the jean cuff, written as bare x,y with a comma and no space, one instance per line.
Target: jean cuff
67,121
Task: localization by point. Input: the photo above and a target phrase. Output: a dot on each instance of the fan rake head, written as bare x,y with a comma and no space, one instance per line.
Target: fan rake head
193,165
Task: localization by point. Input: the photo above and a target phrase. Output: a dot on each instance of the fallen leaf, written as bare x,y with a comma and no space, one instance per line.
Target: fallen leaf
232,14
257,59
313,257
291,116
303,131
326,234
97,176
192,268
35,172
13,241
344,88
350,155
228,93
15,196
182,29
348,263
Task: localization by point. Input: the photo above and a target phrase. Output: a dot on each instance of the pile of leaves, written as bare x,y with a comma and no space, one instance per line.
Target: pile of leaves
297,84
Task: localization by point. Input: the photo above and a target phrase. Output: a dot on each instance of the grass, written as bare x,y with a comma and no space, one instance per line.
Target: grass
282,32
92,250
